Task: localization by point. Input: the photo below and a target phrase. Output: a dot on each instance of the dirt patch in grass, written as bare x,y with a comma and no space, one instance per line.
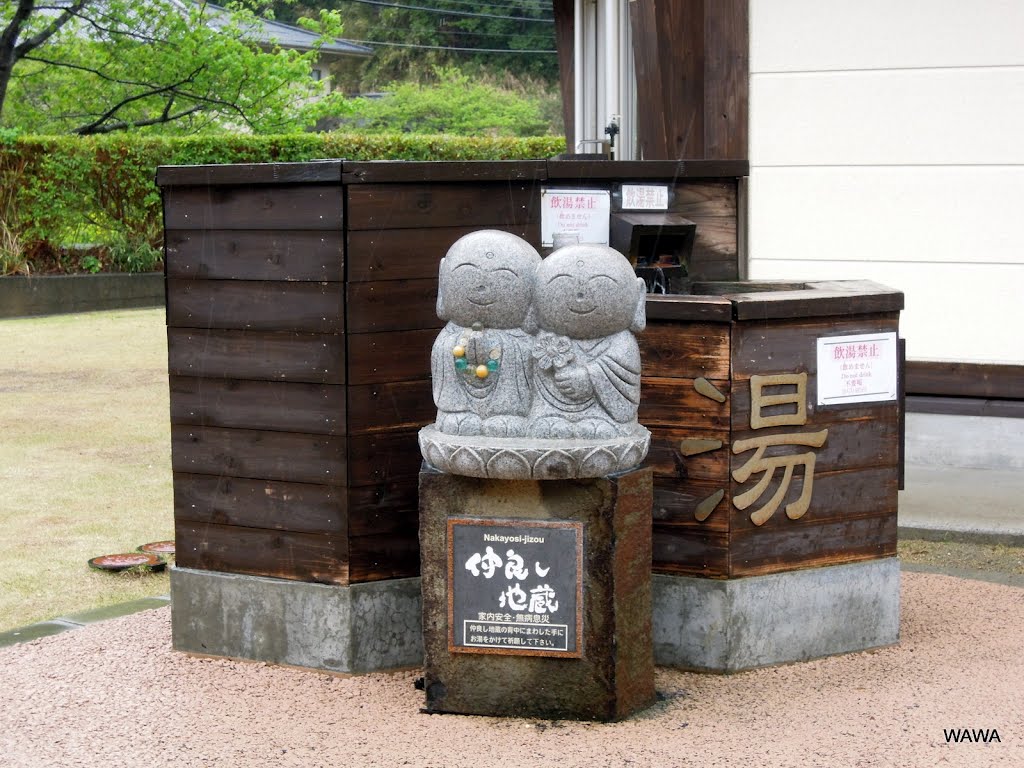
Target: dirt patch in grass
993,558
84,461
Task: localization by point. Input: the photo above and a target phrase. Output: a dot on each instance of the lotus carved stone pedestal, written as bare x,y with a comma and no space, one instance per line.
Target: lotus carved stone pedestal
520,458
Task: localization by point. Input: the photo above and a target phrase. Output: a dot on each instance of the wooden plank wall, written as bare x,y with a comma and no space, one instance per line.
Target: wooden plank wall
689,453
692,74
853,508
696,401
712,206
710,203
256,345
300,321
397,234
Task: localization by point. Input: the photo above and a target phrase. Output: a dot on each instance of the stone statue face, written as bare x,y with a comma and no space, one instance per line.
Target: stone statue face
588,291
486,278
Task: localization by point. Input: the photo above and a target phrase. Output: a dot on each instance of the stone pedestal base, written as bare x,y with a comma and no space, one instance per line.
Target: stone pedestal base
358,628
729,626
612,674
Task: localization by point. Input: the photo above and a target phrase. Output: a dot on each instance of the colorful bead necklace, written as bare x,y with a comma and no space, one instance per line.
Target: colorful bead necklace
462,365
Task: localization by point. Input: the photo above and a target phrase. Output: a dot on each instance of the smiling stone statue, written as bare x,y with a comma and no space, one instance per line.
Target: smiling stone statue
588,302
481,361
558,404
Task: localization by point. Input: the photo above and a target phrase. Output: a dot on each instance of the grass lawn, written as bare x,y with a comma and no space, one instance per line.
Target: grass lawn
85,459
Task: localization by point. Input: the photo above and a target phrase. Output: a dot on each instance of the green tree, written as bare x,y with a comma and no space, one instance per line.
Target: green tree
96,66
456,104
427,34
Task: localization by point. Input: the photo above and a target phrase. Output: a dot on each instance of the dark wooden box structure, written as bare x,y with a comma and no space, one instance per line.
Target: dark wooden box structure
301,313
700,353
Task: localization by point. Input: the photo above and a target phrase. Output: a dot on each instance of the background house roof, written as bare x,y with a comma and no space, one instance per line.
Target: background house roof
265,33
270,32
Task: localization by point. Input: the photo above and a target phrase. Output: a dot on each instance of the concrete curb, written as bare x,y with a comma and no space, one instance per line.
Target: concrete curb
962,536
63,294
992,577
81,619
78,620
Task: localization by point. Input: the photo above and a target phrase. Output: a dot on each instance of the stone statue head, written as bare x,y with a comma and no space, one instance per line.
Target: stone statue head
486,278
587,292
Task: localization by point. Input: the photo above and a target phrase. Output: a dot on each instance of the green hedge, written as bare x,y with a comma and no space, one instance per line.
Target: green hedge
59,191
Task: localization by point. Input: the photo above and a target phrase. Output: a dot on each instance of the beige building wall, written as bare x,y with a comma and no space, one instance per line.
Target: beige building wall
887,143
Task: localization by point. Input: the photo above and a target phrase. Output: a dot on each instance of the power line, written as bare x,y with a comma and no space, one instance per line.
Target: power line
513,5
536,6
446,48
381,4
449,32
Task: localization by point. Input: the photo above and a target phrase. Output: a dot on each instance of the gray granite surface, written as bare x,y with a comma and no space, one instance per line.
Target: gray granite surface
537,372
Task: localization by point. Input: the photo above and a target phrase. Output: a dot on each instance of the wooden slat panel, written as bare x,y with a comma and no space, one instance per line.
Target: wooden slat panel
864,435
278,207
257,552
393,305
391,356
256,305
688,552
401,405
384,457
254,454
388,508
666,459
789,346
653,138
853,444
830,543
219,254
410,254
564,14
411,171
715,241
676,502
249,173
316,358
675,403
726,78
403,206
958,379
821,299
578,171
836,496
269,405
711,202
688,308
668,51
685,350
715,269
387,556
242,502
706,202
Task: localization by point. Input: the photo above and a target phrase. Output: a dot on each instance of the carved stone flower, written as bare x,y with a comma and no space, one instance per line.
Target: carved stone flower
549,350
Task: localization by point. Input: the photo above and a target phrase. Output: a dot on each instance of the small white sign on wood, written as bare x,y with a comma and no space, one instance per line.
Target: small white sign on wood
584,213
644,197
857,369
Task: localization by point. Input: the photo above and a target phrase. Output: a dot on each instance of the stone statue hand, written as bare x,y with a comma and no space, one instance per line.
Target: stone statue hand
573,381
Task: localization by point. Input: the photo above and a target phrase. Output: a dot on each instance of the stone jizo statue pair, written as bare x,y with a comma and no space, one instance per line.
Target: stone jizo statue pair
536,351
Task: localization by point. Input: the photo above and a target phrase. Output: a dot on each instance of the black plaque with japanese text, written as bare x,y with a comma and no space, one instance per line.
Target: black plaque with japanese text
515,587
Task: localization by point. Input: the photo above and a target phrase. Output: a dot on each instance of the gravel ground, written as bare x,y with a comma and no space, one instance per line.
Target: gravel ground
115,693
